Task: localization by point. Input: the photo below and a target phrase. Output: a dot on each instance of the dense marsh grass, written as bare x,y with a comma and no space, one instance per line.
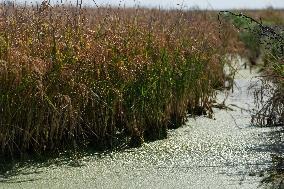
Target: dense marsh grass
270,96
74,77
269,16
252,25
264,36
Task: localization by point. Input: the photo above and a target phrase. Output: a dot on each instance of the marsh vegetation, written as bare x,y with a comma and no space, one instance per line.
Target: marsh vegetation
73,77
264,42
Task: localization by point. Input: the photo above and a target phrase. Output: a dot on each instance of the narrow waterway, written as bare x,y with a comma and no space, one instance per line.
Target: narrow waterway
224,152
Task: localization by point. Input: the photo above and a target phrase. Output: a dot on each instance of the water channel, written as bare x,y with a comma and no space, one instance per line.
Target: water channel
224,152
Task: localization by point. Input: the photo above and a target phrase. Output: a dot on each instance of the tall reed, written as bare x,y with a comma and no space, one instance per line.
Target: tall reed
73,76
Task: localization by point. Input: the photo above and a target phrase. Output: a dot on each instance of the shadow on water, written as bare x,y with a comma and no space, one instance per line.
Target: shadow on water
10,169
274,177
271,170
31,164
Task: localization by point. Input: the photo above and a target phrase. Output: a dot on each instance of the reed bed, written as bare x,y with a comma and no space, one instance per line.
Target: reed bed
73,77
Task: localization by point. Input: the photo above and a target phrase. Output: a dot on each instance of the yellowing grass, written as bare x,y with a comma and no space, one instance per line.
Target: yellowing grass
76,77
